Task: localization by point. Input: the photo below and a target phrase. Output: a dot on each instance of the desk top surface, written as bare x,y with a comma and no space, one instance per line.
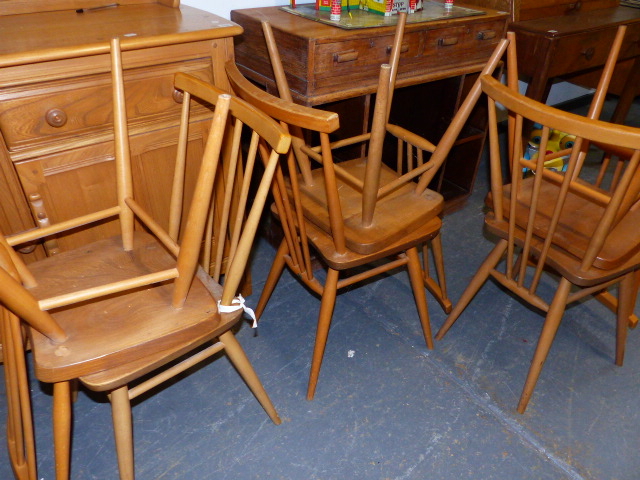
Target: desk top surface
323,33
578,22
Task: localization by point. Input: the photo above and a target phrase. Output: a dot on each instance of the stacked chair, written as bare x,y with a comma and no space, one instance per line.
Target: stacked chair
357,215
124,314
568,223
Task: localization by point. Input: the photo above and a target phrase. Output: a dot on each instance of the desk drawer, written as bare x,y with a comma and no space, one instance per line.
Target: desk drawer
349,56
590,49
63,110
358,61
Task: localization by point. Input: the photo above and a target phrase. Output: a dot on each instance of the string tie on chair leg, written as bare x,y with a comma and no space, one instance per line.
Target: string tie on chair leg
236,304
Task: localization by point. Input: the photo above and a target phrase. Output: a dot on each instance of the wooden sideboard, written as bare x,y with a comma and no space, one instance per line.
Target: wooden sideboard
338,69
56,152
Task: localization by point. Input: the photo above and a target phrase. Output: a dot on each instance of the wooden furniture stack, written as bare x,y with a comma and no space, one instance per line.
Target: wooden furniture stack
55,113
115,313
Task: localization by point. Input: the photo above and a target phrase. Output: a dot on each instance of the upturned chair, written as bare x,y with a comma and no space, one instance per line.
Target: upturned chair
557,222
375,137
122,308
354,213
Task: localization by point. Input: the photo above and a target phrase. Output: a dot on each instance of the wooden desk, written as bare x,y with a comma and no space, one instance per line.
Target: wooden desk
575,47
55,111
326,64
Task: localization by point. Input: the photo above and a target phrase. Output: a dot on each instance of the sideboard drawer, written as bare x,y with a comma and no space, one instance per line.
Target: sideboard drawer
60,111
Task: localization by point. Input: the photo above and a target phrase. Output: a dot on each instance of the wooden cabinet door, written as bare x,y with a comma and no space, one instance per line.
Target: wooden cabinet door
68,184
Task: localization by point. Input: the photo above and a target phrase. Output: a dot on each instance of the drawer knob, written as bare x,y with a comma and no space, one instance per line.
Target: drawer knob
404,48
56,117
345,56
486,35
588,53
447,41
178,95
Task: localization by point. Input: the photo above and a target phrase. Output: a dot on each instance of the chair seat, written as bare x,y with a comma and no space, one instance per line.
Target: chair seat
561,260
396,215
350,259
121,327
577,225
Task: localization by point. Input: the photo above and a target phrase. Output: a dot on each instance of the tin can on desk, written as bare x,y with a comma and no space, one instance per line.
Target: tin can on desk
336,9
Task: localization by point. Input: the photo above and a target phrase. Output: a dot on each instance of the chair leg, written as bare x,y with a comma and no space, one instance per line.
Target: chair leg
626,300
417,284
123,431
476,282
549,329
243,365
324,322
19,428
62,429
443,299
272,278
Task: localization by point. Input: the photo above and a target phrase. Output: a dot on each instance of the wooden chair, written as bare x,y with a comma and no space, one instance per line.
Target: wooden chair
354,213
375,137
558,222
121,308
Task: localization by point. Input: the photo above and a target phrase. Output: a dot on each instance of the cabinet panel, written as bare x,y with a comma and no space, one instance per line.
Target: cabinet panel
69,184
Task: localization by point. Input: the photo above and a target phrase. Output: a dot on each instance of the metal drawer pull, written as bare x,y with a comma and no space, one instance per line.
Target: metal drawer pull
486,35
345,56
404,48
56,117
447,41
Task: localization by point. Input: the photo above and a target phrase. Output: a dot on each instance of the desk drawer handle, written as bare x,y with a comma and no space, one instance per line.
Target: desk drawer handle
486,35
588,53
404,48
447,41
575,6
56,118
345,57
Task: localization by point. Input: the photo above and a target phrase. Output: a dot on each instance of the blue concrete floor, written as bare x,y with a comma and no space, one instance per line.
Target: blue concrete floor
386,407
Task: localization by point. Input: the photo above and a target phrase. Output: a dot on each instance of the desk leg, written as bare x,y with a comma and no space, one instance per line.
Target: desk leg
628,93
539,86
